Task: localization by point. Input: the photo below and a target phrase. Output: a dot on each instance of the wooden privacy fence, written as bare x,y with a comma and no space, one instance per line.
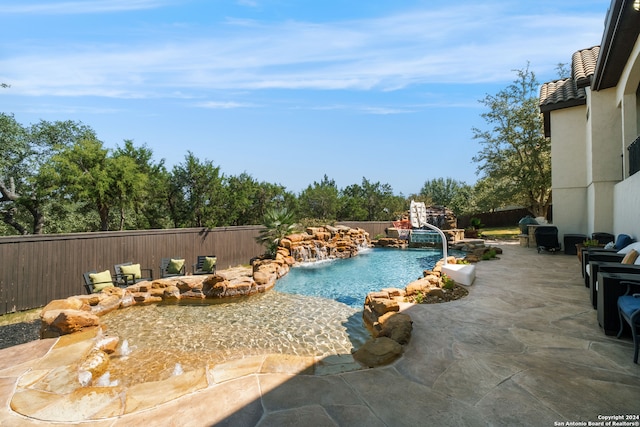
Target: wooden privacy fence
37,269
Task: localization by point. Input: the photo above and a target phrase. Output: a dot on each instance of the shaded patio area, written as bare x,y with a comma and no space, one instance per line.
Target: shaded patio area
524,348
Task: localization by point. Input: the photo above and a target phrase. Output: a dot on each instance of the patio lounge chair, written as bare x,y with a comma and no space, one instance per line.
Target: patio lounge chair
603,255
131,274
95,282
617,251
171,267
596,267
206,265
629,311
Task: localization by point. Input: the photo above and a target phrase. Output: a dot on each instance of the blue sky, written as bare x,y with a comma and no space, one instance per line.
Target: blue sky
286,90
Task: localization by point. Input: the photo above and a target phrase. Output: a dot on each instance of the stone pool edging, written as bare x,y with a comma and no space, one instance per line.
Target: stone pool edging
75,313
50,391
80,343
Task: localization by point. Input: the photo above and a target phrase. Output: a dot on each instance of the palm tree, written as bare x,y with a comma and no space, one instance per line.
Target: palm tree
278,223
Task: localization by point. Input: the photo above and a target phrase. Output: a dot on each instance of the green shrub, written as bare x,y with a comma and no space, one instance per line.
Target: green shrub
419,298
447,282
490,254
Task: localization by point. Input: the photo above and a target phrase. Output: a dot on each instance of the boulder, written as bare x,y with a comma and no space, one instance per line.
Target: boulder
396,326
71,303
394,292
62,322
381,306
107,304
108,344
96,363
378,352
419,286
171,293
261,277
376,295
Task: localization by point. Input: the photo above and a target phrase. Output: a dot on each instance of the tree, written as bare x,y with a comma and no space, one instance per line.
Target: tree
146,206
129,180
13,178
197,194
240,196
278,223
319,200
28,201
515,155
82,172
371,201
448,192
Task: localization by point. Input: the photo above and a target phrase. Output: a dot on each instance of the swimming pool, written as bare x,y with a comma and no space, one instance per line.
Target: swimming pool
315,310
349,280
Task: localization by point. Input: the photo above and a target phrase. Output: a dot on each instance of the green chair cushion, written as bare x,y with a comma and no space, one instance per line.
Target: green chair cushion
131,270
175,266
209,263
101,280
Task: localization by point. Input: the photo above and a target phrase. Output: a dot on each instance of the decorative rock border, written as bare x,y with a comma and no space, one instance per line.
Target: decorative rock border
390,329
61,317
82,312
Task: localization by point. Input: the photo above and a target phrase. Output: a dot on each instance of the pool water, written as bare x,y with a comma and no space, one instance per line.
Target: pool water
349,280
196,335
315,310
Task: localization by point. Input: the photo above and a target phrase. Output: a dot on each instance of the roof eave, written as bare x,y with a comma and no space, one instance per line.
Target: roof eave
622,27
562,105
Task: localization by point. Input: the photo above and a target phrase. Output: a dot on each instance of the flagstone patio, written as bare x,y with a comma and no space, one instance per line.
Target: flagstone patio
524,348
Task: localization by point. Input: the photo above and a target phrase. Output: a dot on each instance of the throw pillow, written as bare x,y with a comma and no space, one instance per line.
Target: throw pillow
101,280
630,258
209,263
623,241
132,270
628,248
175,266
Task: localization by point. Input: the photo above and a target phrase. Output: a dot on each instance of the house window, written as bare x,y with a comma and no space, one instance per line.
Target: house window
634,156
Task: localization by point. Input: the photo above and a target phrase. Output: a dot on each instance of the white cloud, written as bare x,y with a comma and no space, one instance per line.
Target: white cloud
448,45
79,7
226,105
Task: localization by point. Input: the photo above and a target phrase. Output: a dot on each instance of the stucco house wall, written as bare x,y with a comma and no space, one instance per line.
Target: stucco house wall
592,188
569,171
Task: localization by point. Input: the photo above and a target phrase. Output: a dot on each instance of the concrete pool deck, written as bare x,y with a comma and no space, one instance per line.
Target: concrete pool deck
524,348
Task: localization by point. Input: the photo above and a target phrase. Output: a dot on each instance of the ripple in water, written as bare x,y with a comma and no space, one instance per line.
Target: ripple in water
196,335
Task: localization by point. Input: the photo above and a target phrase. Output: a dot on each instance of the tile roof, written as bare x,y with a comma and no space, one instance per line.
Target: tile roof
555,93
570,92
583,65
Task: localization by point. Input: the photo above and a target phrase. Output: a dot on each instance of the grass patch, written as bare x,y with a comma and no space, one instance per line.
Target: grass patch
501,233
20,316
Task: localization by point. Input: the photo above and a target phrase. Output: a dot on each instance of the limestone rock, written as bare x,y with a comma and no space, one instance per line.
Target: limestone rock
171,293
108,303
381,306
396,326
370,319
71,303
436,292
96,363
394,292
419,286
68,321
108,344
376,295
378,352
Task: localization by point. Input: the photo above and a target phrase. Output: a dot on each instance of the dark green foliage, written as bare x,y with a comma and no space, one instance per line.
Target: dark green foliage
278,223
448,192
515,159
